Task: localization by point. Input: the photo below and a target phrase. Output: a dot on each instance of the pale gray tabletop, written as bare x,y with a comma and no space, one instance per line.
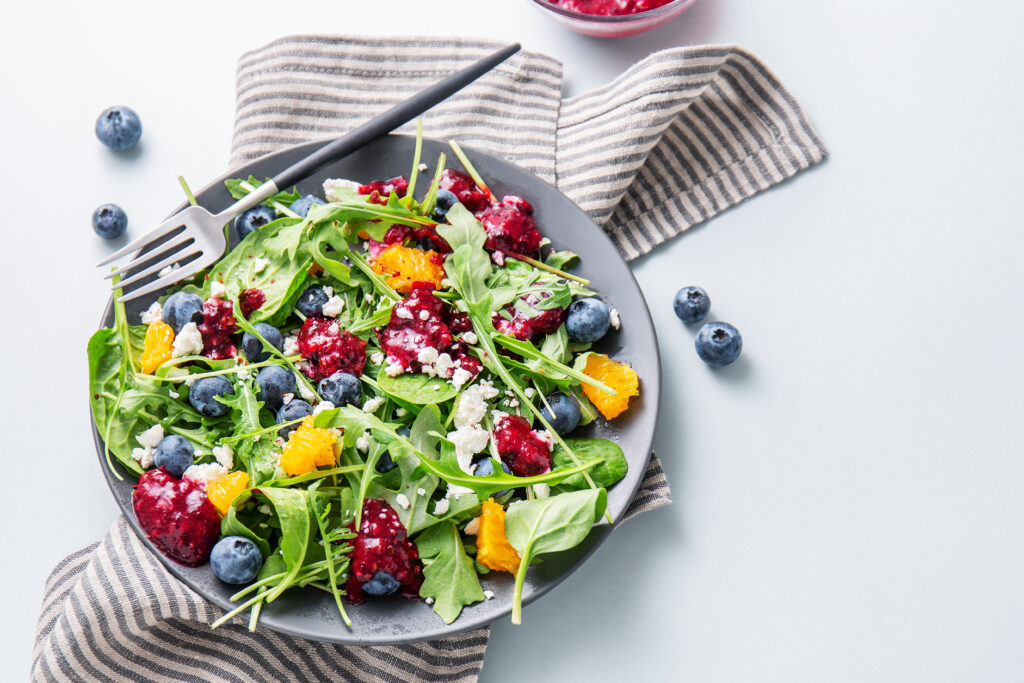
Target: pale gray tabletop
848,495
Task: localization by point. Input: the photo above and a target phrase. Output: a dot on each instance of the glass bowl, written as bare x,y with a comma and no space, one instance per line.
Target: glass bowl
617,26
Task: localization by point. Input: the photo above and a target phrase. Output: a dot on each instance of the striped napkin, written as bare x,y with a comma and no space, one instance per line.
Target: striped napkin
679,137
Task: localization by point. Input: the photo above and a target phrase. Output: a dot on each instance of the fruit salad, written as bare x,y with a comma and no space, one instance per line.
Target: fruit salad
374,392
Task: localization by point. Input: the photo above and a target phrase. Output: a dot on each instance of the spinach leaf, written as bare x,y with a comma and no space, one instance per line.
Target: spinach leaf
545,525
236,190
106,389
416,388
612,468
448,574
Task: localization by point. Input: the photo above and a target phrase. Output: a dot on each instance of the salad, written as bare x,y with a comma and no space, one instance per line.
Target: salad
369,394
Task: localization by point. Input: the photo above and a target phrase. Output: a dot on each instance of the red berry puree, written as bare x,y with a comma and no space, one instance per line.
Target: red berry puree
609,7
529,326
250,300
525,453
510,227
218,329
177,516
421,321
382,545
463,187
380,190
328,349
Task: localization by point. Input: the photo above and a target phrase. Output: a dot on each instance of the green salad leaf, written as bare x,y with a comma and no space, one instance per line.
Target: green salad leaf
612,468
417,388
448,574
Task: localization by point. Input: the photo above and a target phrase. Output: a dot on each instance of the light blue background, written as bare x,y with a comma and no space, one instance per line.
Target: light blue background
848,495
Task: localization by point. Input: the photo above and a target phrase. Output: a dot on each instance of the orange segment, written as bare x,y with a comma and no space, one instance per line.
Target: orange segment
223,491
619,376
406,265
308,447
492,547
157,348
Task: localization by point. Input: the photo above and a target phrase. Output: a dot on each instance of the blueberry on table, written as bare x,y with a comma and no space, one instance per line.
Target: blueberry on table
718,344
252,347
445,201
119,128
174,453
253,219
204,392
182,308
109,221
341,389
691,304
274,382
382,583
302,205
566,410
311,302
588,320
236,559
293,410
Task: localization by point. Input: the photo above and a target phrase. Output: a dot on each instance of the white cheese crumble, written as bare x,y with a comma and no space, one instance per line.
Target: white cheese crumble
403,500
541,490
443,365
173,394
394,369
530,392
217,289
333,307
513,402
164,272
403,312
287,398
363,443
152,437
546,437
429,601
498,415
304,391
291,346
225,456
468,441
373,404
329,291
260,264
368,299
487,389
377,358
613,315
470,338
243,373
454,490
427,355
488,594
441,507
473,528
144,456
422,167
206,473
331,185
460,377
401,412
472,408
424,315
322,406
188,342
153,314
421,491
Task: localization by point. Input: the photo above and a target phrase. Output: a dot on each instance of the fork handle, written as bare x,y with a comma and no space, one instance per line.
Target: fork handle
383,124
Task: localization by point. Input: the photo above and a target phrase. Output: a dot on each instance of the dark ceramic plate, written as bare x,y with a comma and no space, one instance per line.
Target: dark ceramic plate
310,613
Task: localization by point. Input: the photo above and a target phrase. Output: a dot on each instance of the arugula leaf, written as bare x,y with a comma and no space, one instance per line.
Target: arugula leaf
335,552
236,190
256,452
448,574
416,388
545,525
612,468
292,510
233,524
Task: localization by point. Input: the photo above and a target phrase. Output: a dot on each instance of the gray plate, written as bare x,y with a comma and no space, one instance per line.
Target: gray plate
310,613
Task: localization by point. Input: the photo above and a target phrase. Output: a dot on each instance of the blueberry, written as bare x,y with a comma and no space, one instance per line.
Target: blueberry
445,201
588,320
203,395
485,468
174,453
253,347
691,304
341,389
119,128
236,559
302,205
182,308
718,344
293,410
382,583
311,302
385,463
109,221
254,218
274,382
567,413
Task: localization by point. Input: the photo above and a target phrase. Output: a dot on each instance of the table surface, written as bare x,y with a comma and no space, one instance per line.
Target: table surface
848,495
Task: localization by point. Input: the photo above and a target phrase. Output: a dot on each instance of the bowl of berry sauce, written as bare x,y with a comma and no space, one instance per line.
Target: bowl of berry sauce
612,18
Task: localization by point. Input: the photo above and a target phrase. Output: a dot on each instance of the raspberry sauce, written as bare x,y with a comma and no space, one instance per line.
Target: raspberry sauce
510,227
218,329
525,326
380,190
328,349
382,545
177,516
463,187
525,453
250,300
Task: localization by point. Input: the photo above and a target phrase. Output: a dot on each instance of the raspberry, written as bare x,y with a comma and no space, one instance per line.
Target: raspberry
382,548
329,349
176,516
463,187
380,190
529,327
525,453
510,227
218,329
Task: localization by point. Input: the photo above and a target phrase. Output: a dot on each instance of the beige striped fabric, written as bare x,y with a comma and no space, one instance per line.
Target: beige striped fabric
681,136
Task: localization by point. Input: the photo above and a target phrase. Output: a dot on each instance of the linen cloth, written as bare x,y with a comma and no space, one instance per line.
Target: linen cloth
679,137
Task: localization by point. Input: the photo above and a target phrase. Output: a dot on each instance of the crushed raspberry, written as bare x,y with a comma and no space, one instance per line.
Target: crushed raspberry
510,227
463,187
459,323
218,329
380,190
525,453
177,516
423,236
529,326
328,349
382,545
250,300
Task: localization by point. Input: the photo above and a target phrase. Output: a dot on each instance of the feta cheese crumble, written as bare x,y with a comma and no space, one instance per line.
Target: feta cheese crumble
427,355
488,594
217,289
304,391
260,264
206,473
394,369
363,443
153,314
188,342
613,315
470,338
373,404
225,456
441,507
152,437
291,345
332,185
472,408
334,306
468,441
473,528
322,406
377,358
460,377
164,272
403,500
144,456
